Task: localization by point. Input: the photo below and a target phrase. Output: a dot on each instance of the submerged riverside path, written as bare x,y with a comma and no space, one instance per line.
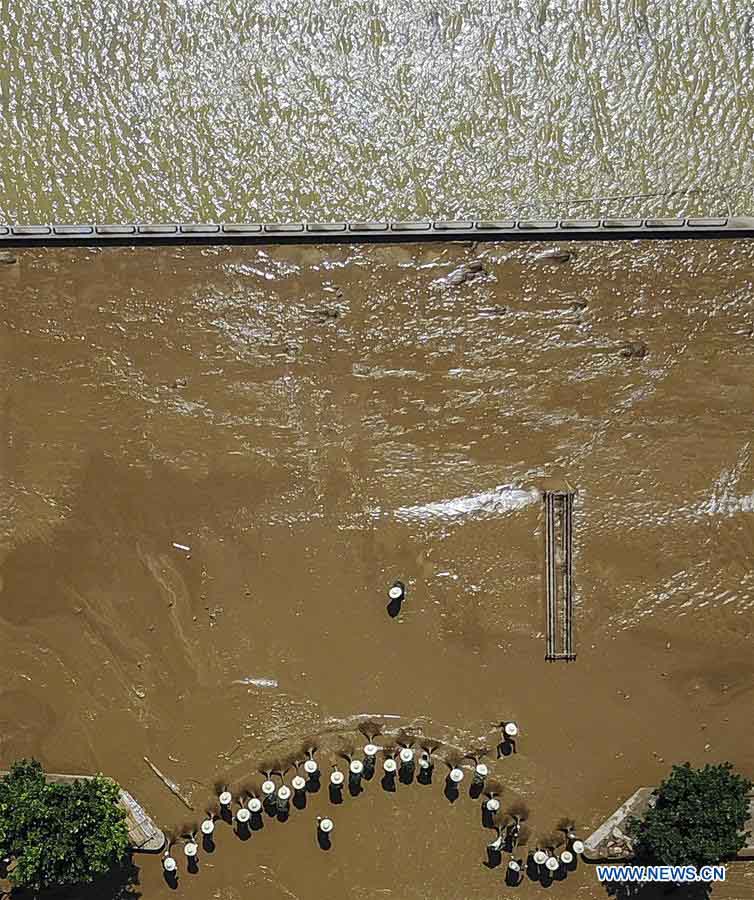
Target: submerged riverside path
365,231
219,458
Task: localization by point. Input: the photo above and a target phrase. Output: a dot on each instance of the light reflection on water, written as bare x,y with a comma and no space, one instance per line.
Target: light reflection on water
272,109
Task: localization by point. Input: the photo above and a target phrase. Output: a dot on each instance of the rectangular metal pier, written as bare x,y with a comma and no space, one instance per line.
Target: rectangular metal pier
559,575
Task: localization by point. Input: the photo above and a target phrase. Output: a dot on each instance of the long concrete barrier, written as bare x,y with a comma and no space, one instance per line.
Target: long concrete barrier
358,232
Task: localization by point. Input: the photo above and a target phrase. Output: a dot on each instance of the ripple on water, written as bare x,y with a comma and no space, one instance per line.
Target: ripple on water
330,109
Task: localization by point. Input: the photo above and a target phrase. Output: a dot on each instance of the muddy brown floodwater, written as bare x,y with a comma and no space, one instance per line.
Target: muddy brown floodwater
316,422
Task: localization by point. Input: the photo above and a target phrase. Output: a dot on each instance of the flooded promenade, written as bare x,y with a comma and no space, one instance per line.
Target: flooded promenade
215,462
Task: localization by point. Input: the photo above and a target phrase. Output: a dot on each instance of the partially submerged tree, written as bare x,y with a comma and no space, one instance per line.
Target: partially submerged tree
59,834
698,818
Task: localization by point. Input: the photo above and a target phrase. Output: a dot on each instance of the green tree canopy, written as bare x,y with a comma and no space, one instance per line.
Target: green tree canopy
698,818
59,834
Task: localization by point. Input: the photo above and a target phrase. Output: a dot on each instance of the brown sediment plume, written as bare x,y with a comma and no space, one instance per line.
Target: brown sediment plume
493,787
188,830
268,766
404,737
453,759
550,840
309,746
370,729
518,810
500,820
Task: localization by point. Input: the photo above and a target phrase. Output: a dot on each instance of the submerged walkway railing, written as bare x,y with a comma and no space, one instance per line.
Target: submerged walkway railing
559,577
356,232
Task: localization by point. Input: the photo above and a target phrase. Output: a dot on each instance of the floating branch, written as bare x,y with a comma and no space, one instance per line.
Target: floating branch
170,785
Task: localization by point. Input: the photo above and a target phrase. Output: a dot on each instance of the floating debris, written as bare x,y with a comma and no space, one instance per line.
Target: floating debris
7,258
554,254
184,547
323,313
170,785
258,682
467,272
634,350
